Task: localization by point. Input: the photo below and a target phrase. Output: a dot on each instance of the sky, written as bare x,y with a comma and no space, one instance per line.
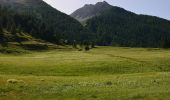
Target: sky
160,8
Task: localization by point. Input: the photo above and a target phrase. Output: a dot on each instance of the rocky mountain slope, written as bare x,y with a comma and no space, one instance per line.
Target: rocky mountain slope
116,26
89,11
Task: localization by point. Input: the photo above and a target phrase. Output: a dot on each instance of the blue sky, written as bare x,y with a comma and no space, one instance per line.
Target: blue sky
160,8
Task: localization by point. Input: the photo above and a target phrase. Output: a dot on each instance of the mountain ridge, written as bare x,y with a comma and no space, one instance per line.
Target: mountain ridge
119,27
89,10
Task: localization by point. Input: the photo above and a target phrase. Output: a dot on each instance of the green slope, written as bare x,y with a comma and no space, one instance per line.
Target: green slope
123,28
53,24
116,26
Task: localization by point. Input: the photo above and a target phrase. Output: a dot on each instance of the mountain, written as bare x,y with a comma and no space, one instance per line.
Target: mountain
119,27
89,11
49,24
13,33
25,20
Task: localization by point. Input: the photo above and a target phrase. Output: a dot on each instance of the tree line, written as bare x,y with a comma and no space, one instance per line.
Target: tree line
28,22
115,27
119,27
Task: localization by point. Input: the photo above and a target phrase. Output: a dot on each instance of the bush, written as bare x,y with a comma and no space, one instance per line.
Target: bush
37,46
109,83
87,48
7,50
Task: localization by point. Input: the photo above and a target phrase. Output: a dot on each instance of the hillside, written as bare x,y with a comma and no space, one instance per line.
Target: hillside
119,27
14,36
53,25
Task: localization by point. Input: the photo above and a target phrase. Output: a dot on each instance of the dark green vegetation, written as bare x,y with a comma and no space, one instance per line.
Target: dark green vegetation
34,25
116,26
110,26
104,73
13,27
39,20
122,28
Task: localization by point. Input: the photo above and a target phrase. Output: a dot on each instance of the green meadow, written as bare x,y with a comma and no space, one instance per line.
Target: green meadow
103,73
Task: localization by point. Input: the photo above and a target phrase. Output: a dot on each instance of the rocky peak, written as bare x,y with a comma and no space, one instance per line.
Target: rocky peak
90,10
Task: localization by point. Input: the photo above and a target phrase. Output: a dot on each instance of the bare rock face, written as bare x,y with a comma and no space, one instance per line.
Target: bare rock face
89,11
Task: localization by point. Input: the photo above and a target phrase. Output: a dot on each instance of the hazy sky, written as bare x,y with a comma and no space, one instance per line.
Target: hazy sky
159,8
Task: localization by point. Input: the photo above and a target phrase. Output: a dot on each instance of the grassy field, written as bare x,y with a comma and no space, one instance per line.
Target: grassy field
103,73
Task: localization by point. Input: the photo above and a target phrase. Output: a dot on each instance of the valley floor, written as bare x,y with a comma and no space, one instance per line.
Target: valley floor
103,73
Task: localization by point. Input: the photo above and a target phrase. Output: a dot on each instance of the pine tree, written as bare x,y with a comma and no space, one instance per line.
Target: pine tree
13,29
74,44
2,37
92,45
166,43
1,33
1,28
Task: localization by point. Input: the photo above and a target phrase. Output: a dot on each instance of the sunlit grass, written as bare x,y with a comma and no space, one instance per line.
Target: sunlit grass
101,73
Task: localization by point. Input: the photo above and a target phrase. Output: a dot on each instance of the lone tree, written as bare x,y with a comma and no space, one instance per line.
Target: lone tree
87,48
166,43
2,37
74,44
13,29
92,45
1,29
